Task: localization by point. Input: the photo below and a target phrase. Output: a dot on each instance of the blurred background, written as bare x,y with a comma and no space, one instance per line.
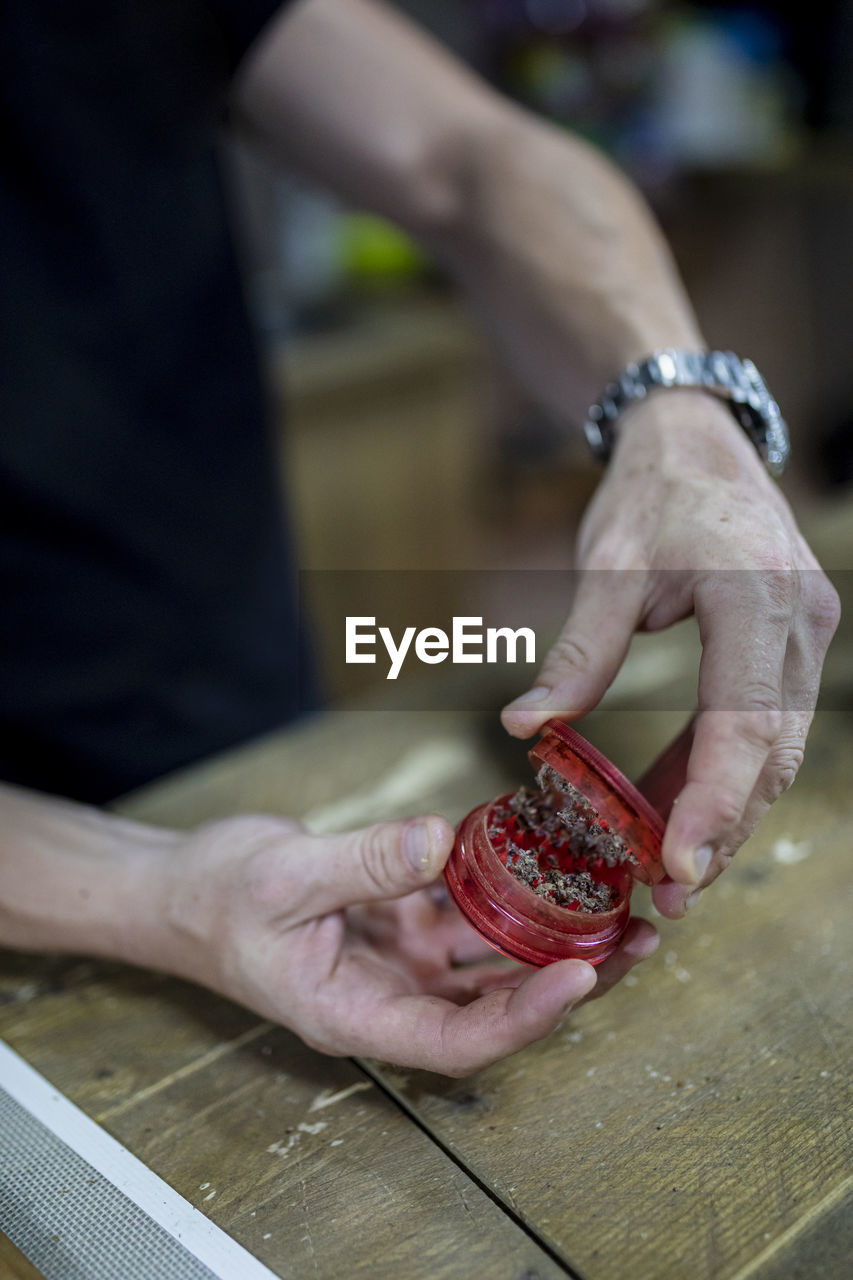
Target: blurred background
404,444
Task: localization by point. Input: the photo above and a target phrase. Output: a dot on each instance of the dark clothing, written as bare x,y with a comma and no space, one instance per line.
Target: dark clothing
147,611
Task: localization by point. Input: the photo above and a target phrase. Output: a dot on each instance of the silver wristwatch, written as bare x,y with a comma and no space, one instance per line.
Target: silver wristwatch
722,373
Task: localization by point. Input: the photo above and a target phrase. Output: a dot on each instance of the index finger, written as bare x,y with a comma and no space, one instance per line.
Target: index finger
586,656
744,620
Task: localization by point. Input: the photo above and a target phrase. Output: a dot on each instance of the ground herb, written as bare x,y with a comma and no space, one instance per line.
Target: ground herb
590,833
537,832
562,888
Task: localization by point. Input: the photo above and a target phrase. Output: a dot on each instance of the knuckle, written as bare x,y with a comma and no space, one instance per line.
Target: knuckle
729,809
767,587
761,718
772,593
780,584
723,859
450,1058
373,853
775,562
823,606
781,573
785,765
569,651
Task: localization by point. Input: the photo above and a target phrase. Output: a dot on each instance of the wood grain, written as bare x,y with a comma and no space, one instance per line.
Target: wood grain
299,1156
13,1264
695,1117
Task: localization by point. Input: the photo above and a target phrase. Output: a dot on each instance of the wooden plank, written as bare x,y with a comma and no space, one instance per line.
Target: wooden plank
13,1264
104,1034
817,1247
434,758
702,1112
314,1170
698,1114
298,1156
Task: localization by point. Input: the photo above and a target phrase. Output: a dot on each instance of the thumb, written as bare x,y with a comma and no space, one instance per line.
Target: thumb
386,860
587,654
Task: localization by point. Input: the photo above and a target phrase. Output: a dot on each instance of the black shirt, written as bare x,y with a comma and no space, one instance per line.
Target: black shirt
146,604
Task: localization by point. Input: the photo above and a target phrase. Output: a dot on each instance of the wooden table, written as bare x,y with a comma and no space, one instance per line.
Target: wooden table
696,1123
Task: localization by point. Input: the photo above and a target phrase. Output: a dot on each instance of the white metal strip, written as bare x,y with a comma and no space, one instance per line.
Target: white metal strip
201,1237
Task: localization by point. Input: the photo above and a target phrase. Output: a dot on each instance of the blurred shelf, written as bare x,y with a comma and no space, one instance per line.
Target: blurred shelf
383,342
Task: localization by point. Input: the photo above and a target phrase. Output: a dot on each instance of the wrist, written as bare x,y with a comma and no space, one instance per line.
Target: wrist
198,898
564,258
686,429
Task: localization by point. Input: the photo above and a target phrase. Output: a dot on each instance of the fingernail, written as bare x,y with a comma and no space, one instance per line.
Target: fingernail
416,846
701,859
538,693
692,899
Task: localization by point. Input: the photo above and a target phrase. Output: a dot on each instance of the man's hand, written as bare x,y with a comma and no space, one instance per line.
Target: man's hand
330,936
687,521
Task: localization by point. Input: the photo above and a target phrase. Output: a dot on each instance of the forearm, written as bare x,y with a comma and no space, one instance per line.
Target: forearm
564,262
76,880
555,247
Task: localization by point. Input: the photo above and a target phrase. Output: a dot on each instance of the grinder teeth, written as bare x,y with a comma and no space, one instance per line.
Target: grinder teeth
576,825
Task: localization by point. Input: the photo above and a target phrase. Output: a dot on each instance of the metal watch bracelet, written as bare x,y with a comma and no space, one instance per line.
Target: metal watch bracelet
721,373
